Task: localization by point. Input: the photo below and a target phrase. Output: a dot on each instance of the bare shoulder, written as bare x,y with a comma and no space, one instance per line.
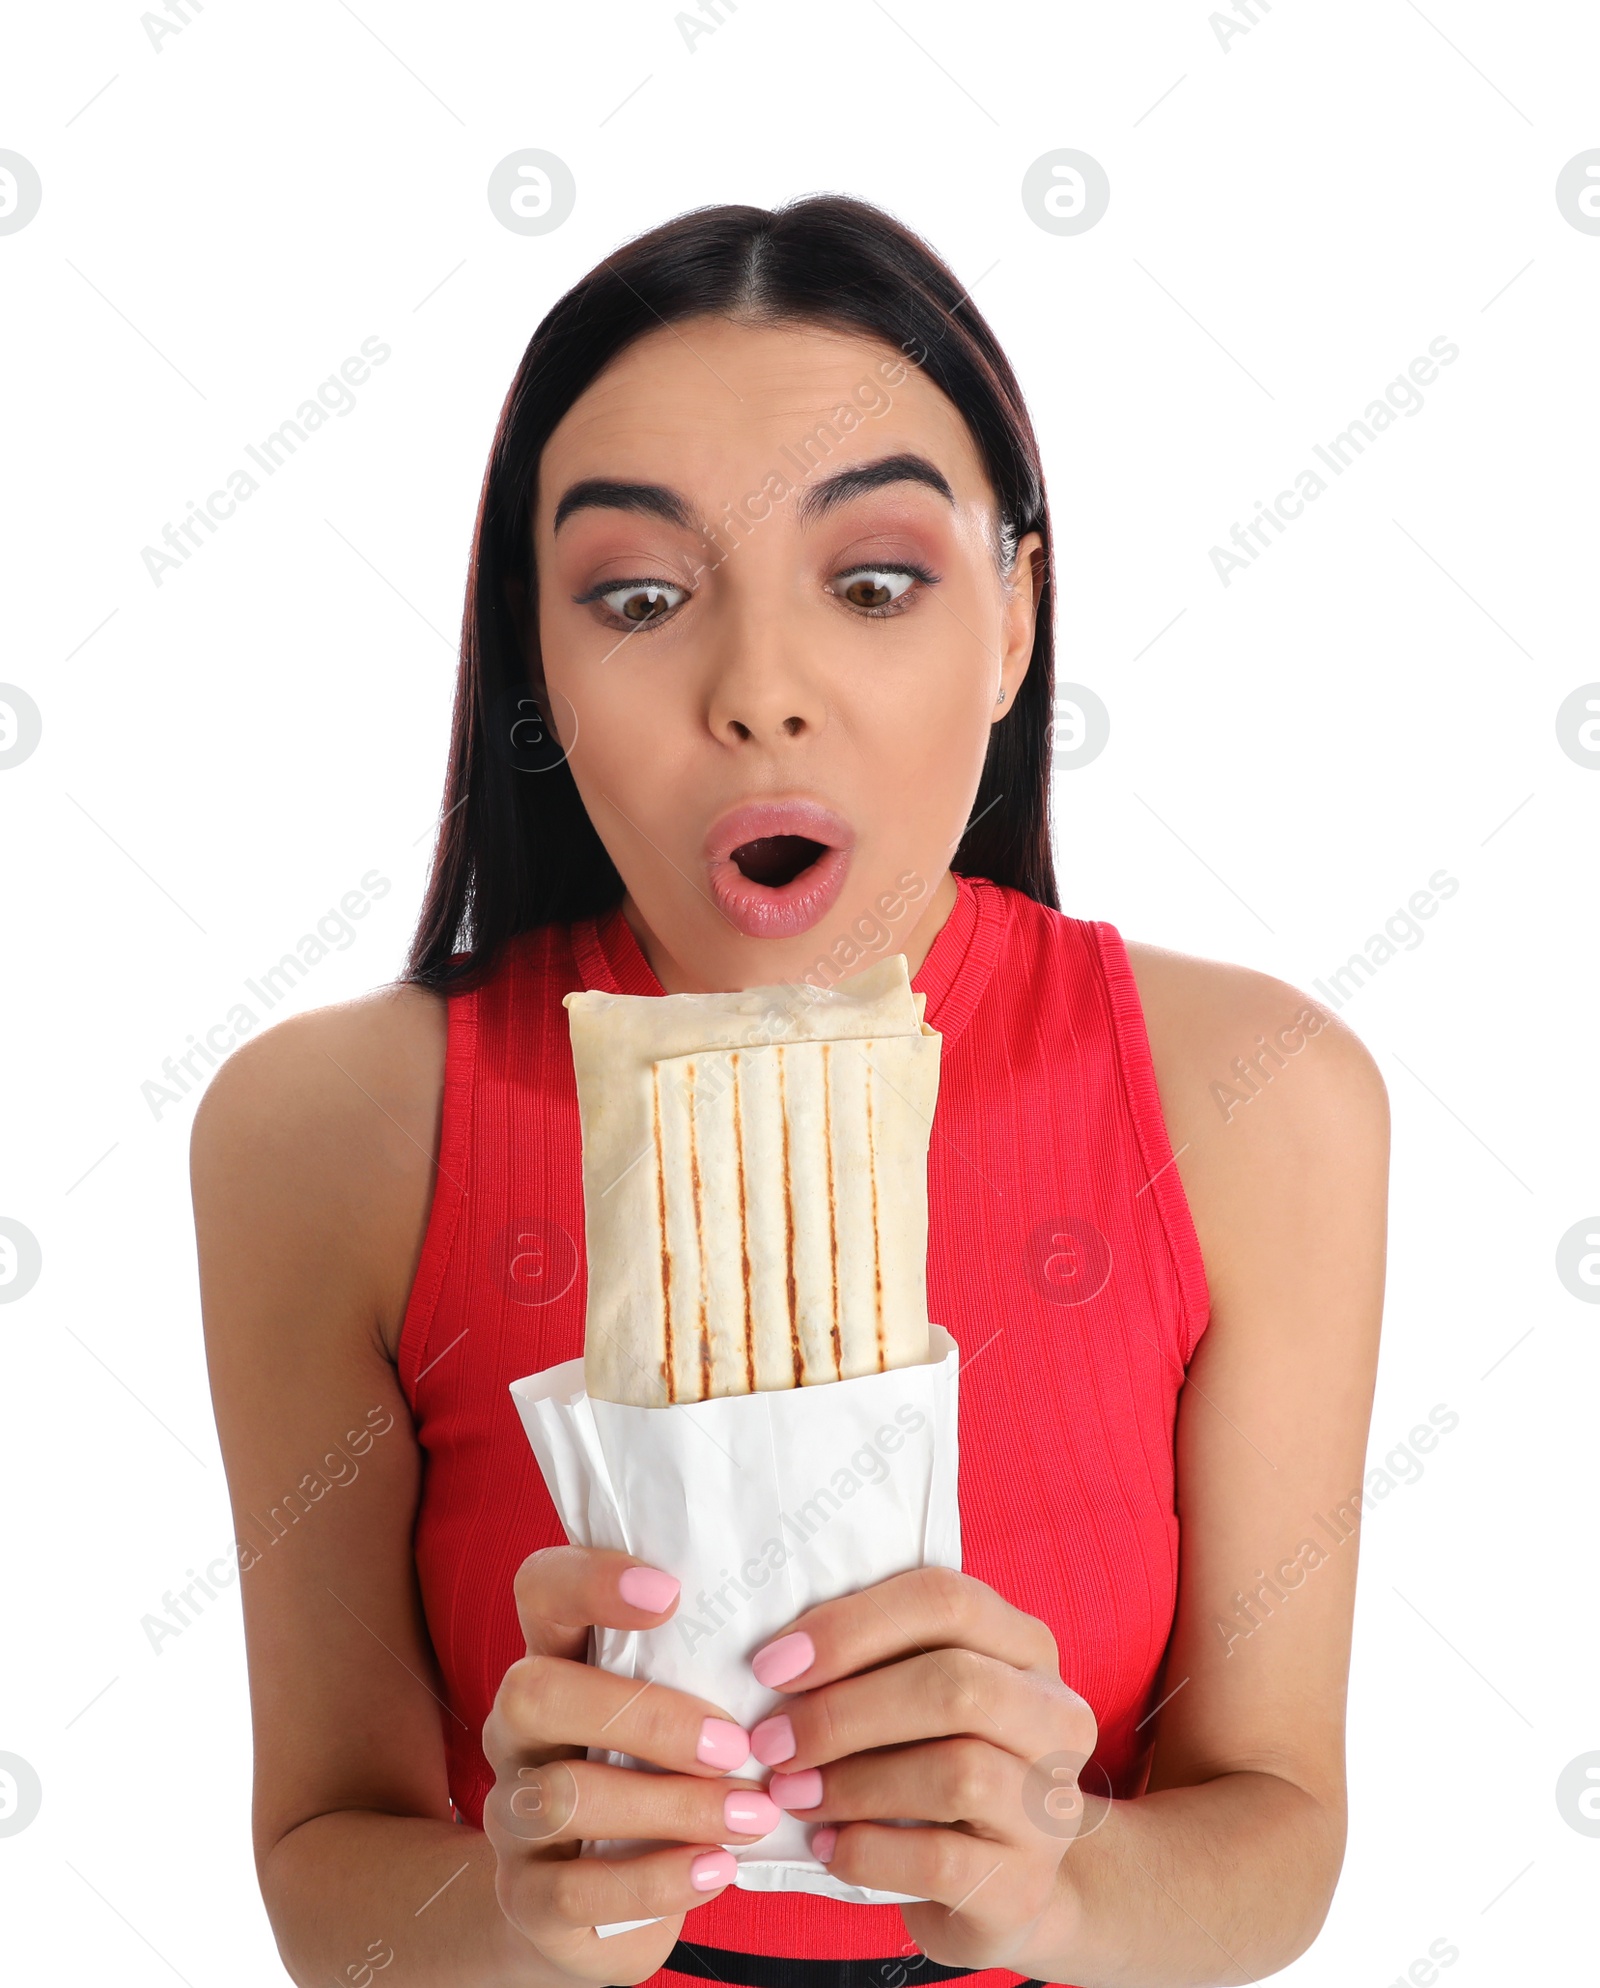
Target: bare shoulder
1222,1035
322,1133
1197,1006
1265,1091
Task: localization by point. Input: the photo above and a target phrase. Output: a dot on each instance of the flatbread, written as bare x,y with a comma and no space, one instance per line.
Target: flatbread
755,1185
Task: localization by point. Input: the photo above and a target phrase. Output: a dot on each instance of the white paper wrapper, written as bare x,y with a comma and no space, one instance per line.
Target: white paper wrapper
762,1505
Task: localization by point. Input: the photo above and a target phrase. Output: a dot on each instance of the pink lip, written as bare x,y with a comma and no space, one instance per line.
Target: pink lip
777,911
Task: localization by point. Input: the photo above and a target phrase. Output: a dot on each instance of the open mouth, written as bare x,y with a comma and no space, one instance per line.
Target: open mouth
776,859
773,868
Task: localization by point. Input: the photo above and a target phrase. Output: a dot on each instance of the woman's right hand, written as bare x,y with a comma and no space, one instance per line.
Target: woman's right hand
547,1797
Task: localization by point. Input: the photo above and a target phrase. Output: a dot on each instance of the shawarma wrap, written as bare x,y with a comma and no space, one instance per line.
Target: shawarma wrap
755,1185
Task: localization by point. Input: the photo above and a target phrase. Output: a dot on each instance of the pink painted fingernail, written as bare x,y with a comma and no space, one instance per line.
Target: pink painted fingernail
748,1812
778,1662
797,1791
648,1588
773,1740
712,1870
723,1744
822,1844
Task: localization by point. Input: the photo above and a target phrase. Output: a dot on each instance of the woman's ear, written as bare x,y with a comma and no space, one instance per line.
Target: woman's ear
1018,613
1032,549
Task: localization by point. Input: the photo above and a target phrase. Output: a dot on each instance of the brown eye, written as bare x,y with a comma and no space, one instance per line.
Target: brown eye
640,601
876,587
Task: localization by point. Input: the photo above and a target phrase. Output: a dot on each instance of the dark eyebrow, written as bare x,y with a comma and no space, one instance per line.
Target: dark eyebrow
820,498
605,493
658,500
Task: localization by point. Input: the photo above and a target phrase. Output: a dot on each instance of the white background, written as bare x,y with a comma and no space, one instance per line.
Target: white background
1292,220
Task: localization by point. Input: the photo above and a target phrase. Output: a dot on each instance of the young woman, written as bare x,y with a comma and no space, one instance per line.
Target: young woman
756,687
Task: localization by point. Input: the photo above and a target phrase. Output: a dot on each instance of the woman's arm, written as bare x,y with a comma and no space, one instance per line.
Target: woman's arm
1224,1870
312,1170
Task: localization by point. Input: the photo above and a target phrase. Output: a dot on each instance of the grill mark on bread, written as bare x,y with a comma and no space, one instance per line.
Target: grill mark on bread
744,1230
699,1234
666,1251
833,1215
788,1224
877,1245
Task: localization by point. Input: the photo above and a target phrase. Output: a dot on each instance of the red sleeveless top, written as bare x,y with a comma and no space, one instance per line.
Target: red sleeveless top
1061,1257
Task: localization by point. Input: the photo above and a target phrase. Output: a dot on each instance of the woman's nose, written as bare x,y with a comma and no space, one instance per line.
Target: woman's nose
762,688
793,726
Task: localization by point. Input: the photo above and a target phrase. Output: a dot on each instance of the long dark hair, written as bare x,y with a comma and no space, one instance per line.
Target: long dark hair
516,847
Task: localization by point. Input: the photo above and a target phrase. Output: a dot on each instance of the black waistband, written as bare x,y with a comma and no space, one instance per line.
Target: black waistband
754,1970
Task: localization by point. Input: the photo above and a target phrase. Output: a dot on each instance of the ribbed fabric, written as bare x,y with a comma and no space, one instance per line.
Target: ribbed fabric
1061,1257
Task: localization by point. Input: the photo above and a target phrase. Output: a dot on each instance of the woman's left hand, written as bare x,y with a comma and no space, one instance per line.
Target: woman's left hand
929,1697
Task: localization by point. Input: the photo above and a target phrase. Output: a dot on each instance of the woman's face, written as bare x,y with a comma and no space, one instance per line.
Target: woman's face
773,629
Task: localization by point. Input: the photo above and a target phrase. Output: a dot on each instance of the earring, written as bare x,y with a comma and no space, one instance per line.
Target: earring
1000,695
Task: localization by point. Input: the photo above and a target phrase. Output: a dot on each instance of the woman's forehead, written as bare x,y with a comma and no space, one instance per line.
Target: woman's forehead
711,401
